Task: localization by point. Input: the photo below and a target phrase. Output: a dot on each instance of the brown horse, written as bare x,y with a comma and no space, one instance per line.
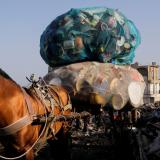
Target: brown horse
19,108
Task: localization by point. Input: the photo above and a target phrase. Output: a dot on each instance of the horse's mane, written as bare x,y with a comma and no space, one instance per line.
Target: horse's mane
5,75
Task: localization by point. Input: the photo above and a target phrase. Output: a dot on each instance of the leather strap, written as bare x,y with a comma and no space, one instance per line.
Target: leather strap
28,102
56,91
22,122
16,126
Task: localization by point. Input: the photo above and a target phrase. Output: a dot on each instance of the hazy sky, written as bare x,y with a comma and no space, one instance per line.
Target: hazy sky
23,21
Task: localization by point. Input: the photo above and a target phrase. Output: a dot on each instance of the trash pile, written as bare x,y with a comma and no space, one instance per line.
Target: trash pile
89,34
87,49
100,83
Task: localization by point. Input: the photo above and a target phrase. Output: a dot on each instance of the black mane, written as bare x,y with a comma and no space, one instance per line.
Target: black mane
5,75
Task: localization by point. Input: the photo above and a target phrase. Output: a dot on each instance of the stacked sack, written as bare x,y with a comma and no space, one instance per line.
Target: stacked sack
89,51
89,34
100,83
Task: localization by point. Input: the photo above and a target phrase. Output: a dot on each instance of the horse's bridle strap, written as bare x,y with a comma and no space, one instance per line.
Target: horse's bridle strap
28,102
22,122
16,126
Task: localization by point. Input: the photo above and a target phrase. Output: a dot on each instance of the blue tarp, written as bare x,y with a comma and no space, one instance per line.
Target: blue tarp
89,34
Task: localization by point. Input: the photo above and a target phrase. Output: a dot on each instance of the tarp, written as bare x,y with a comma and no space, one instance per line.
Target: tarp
89,34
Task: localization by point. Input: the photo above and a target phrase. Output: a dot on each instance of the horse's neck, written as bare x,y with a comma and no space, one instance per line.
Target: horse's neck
8,101
7,86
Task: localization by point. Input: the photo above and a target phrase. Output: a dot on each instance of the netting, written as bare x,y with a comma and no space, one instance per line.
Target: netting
89,34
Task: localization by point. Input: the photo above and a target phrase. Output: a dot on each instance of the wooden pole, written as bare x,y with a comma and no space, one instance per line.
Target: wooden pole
72,116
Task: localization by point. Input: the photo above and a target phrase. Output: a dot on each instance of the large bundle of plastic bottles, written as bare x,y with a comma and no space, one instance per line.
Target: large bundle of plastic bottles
89,34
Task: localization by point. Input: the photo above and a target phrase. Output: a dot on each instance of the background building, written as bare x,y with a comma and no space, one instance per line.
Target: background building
151,77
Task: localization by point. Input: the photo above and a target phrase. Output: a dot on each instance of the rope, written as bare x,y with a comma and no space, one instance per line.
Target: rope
49,91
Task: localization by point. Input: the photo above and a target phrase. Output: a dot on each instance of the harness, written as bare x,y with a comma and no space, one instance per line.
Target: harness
44,94
22,122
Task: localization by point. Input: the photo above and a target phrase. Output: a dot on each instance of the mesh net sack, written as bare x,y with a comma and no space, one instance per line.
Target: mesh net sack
89,34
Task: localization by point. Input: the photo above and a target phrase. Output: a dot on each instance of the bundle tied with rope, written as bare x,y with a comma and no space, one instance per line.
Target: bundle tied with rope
89,34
